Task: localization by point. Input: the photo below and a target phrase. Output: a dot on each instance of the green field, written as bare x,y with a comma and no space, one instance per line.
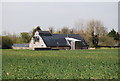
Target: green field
62,64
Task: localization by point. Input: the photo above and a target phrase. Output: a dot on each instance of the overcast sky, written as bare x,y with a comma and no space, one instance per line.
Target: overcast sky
24,16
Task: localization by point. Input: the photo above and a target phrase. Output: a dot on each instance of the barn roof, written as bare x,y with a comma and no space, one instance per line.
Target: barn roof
45,33
59,39
20,45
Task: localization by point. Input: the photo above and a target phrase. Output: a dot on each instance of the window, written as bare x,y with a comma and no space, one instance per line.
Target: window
36,39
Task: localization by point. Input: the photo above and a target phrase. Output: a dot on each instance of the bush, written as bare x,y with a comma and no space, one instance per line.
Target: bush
6,42
106,41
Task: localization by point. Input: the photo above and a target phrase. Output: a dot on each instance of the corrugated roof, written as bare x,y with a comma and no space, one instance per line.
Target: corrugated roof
21,45
44,33
52,41
59,39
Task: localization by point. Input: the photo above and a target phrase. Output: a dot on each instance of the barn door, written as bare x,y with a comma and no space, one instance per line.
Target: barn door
78,44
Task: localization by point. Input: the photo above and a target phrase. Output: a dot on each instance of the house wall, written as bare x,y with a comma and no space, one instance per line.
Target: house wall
20,47
39,44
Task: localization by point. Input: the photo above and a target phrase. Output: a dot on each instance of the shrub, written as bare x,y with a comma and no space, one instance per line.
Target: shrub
106,41
6,42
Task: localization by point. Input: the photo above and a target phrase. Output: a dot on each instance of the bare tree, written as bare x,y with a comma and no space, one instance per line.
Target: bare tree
71,31
65,30
90,27
99,28
58,31
95,29
51,29
79,25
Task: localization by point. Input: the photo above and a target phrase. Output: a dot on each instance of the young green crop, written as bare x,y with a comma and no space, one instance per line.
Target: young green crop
62,64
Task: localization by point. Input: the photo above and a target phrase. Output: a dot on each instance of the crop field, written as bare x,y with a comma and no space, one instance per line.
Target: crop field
60,64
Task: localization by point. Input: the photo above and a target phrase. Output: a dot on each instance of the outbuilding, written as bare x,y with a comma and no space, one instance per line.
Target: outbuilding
46,40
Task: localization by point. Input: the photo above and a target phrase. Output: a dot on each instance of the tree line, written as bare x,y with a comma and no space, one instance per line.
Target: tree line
94,33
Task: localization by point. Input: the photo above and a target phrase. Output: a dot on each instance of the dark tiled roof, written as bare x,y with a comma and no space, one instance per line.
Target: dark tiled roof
45,33
51,41
59,39
21,45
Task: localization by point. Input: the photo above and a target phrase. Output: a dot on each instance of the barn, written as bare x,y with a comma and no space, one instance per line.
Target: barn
20,46
46,40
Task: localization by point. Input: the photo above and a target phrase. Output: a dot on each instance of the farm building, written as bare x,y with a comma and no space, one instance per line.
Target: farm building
20,46
45,40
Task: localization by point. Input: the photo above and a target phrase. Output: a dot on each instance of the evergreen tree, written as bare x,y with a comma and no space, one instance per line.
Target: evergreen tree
112,33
